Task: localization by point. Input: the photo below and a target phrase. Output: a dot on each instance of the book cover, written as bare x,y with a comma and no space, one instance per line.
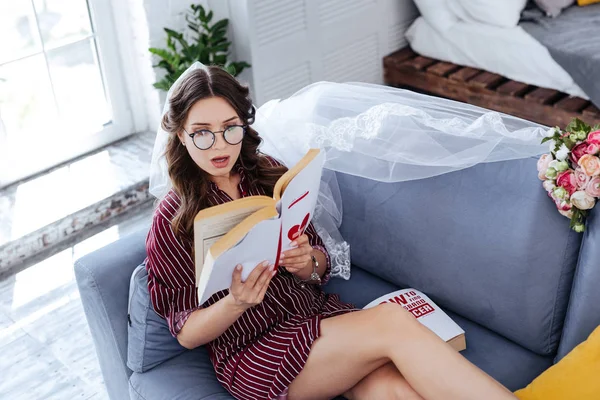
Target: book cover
428,313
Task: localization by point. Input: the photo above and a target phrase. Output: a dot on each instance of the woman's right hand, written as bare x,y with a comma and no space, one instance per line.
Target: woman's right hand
251,292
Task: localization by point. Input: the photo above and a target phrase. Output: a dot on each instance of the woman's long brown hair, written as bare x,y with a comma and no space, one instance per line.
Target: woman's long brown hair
190,182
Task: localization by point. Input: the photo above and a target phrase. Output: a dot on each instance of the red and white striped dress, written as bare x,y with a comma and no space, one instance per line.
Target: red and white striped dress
267,347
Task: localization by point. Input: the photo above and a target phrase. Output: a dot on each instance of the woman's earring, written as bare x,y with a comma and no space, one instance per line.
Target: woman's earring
183,144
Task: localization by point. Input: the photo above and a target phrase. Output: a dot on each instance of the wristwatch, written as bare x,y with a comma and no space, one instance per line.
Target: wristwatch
314,276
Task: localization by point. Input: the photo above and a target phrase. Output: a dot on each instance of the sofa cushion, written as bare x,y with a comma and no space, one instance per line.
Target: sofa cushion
506,361
485,242
187,376
149,340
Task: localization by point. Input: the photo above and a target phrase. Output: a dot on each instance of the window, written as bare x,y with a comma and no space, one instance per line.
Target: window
61,93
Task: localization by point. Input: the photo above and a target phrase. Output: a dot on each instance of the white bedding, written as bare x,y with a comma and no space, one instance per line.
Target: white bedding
510,52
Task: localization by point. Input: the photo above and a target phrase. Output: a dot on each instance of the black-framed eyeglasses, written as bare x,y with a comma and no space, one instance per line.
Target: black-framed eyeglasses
204,139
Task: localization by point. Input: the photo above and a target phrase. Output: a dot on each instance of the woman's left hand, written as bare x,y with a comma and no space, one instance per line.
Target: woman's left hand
298,261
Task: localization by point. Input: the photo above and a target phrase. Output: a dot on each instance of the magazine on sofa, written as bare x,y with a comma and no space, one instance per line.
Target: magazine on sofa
253,229
428,313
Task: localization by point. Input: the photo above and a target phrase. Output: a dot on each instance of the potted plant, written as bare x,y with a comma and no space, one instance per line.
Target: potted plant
205,42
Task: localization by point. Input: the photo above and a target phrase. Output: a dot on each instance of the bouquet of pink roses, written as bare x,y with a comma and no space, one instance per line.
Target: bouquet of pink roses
571,172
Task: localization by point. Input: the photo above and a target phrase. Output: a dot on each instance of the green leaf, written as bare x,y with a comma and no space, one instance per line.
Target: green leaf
209,17
173,33
596,127
220,25
162,85
577,126
569,143
220,59
216,42
238,67
202,13
546,139
220,48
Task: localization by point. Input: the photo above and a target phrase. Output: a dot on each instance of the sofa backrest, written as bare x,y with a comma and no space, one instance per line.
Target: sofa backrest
485,242
103,280
583,313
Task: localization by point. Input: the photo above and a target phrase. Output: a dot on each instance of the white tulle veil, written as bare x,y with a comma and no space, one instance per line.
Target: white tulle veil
376,132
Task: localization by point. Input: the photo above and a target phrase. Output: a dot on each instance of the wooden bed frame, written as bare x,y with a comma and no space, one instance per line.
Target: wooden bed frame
407,69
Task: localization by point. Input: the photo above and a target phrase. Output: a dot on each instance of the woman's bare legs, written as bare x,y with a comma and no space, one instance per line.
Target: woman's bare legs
353,345
384,383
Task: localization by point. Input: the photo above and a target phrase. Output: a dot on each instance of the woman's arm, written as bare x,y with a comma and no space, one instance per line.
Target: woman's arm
207,324
298,261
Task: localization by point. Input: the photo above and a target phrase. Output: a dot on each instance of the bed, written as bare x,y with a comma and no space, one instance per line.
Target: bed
510,52
507,56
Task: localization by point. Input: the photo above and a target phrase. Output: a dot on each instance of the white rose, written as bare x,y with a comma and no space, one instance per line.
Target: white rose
582,200
549,186
562,153
551,145
550,132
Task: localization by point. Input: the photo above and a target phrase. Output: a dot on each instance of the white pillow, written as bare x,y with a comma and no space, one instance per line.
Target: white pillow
437,14
503,13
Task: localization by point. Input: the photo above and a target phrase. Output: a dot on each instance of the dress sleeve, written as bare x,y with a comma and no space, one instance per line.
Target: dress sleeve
171,273
315,241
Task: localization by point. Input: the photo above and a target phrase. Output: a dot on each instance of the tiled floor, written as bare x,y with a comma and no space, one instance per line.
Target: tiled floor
46,351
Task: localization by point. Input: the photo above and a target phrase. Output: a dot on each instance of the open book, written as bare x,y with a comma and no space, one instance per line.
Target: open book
253,229
428,313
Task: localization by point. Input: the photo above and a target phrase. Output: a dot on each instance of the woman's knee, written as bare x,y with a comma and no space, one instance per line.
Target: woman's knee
384,383
396,318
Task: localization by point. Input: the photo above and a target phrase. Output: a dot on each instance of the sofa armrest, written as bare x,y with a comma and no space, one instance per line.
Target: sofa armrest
583,312
103,281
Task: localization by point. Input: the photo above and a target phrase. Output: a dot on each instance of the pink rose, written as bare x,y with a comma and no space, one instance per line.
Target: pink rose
581,178
542,165
590,165
593,148
584,148
593,187
567,180
579,151
594,137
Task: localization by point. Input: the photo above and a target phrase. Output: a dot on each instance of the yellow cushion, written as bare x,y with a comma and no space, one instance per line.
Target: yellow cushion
587,2
573,377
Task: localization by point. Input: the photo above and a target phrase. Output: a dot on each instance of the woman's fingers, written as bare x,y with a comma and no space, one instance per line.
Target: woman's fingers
299,242
264,278
237,276
255,274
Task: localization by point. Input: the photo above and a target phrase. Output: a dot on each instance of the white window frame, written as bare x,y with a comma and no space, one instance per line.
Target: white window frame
114,73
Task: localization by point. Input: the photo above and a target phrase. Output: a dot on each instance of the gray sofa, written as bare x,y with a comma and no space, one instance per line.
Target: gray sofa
484,243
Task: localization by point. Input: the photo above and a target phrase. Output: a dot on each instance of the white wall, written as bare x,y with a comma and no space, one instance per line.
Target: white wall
290,43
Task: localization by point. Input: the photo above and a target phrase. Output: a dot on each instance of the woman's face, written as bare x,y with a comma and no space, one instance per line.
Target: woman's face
213,114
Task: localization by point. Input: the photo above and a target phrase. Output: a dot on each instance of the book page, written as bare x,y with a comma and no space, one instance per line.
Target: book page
260,244
212,229
298,202
213,223
425,310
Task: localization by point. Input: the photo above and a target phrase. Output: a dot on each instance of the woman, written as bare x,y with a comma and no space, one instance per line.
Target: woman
277,333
